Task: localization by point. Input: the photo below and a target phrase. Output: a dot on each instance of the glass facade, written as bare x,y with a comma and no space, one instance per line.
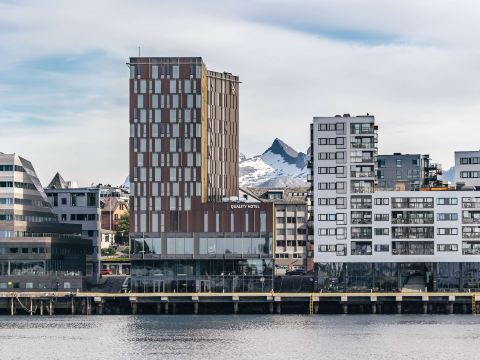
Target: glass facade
381,277
218,275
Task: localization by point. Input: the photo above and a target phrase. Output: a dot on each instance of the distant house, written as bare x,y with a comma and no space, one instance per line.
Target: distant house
112,209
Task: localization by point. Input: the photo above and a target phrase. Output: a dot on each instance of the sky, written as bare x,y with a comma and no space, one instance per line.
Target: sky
414,64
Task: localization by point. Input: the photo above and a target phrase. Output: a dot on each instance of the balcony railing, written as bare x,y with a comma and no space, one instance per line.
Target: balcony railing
470,221
411,221
356,145
471,205
471,251
470,235
362,131
405,205
413,236
362,221
362,174
362,190
361,236
361,206
412,252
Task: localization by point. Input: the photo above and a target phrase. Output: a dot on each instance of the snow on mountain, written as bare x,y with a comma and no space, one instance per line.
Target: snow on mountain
279,166
449,175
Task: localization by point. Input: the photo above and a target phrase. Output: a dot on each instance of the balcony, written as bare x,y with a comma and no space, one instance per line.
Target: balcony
411,221
362,174
365,236
362,190
469,220
471,205
355,145
413,236
362,221
361,205
471,235
364,131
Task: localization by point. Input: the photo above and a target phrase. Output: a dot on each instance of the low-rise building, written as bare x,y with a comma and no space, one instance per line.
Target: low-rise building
291,239
404,171
112,210
37,253
467,169
80,206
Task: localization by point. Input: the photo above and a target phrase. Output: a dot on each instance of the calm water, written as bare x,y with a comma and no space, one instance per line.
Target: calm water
241,337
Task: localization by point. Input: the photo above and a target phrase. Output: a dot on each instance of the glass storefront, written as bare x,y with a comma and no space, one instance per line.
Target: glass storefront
222,275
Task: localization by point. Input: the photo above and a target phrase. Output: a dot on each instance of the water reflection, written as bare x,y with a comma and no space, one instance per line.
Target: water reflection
240,337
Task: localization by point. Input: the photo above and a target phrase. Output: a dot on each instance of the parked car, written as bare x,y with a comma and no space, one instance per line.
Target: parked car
106,272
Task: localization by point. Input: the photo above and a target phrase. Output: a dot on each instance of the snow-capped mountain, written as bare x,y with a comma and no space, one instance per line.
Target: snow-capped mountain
279,166
449,175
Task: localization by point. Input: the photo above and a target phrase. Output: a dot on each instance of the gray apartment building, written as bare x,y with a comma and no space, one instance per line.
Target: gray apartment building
36,251
408,172
79,206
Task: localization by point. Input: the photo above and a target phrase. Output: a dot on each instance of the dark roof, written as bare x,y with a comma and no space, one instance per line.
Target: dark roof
297,195
57,182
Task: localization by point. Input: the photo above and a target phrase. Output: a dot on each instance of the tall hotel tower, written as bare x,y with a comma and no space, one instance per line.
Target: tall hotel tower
189,231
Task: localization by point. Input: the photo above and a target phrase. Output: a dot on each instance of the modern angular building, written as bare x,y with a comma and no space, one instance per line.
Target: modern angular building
189,231
407,172
366,238
36,251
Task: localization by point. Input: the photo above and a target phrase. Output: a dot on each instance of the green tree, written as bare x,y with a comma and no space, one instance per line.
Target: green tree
123,228
124,224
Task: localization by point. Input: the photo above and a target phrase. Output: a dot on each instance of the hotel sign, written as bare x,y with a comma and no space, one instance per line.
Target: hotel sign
244,206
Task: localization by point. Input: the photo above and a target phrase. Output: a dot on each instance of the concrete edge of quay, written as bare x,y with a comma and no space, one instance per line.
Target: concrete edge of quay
98,303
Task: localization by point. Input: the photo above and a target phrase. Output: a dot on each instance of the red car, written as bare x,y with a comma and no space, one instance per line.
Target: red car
106,272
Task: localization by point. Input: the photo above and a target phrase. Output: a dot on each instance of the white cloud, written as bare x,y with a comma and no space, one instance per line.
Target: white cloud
412,63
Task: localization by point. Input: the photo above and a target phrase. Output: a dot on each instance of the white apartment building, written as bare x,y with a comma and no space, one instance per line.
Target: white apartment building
467,168
389,239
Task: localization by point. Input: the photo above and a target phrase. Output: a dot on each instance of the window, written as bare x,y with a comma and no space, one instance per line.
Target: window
399,163
382,247
361,202
338,232
447,231
382,231
447,201
91,200
447,217
382,201
205,221
447,247
382,217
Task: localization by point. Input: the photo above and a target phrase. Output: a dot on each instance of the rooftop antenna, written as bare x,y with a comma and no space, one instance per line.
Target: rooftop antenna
139,51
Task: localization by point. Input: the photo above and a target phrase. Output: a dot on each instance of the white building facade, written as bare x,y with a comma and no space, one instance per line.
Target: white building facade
385,240
467,168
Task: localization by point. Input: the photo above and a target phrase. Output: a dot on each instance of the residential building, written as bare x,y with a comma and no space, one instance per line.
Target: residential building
385,240
37,253
407,172
467,168
108,191
291,232
189,229
112,210
80,206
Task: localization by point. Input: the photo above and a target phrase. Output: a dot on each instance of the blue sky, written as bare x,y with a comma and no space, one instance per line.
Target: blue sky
63,79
